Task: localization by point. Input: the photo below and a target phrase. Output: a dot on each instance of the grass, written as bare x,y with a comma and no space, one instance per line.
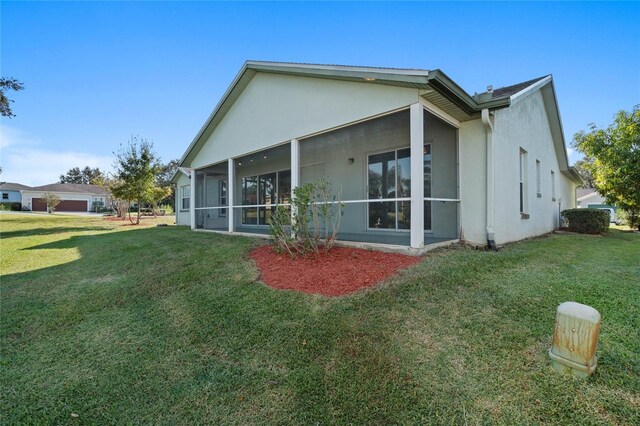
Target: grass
103,323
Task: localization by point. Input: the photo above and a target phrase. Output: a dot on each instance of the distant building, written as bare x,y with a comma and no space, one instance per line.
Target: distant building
74,197
11,192
589,198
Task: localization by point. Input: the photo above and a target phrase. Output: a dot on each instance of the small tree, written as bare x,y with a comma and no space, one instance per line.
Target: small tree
158,194
167,170
327,213
52,201
614,160
136,168
316,220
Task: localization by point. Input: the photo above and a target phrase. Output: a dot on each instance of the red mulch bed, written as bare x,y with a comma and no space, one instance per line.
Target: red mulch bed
339,272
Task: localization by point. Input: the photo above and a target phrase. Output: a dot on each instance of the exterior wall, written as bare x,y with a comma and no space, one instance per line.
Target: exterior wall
444,179
473,181
183,217
328,155
214,219
28,195
14,196
276,108
525,126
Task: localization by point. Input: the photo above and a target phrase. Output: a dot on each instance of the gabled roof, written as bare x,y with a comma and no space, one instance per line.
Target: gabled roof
436,87
507,91
11,186
71,187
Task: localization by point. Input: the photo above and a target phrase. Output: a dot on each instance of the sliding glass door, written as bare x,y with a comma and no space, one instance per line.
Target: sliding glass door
267,189
389,176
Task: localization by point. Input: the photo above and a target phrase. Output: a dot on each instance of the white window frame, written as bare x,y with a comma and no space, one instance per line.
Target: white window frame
5,195
222,199
523,183
538,180
185,193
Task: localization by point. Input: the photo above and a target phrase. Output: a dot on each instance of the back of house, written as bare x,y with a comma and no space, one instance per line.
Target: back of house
416,159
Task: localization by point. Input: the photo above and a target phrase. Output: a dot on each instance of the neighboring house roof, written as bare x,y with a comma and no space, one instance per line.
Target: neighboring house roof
11,186
581,192
588,195
436,87
71,187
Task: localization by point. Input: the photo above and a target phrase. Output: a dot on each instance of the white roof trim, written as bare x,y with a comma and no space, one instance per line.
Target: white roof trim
530,89
186,170
336,69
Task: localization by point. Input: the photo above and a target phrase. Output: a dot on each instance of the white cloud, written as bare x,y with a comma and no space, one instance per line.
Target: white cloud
12,137
25,161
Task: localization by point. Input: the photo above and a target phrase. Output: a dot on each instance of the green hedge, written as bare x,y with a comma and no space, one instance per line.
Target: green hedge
16,207
587,221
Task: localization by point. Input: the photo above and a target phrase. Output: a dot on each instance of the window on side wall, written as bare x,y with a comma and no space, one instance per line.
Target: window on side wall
5,195
538,186
553,185
185,197
523,184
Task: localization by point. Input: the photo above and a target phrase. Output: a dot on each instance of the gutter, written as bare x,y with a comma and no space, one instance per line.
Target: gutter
488,126
459,97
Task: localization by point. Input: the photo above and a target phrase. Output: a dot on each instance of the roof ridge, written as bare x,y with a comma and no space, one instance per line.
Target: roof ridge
336,65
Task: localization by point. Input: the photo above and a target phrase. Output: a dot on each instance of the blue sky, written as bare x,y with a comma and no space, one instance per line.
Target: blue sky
98,72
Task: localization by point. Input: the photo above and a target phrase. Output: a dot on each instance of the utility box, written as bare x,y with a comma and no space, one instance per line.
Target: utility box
575,339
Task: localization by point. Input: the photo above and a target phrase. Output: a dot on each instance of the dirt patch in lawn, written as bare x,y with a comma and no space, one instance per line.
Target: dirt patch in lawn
339,272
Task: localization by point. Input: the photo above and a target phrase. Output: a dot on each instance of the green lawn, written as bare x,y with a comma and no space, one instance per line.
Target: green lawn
103,323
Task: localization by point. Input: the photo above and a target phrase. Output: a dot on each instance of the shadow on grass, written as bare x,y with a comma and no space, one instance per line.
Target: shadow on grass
168,325
50,231
186,307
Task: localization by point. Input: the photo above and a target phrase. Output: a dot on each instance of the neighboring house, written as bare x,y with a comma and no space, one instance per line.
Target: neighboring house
11,192
588,198
74,197
418,160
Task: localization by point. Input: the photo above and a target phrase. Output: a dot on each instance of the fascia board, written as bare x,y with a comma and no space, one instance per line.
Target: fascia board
530,89
334,71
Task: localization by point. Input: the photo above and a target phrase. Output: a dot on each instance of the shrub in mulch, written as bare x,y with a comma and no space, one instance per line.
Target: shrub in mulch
587,221
340,271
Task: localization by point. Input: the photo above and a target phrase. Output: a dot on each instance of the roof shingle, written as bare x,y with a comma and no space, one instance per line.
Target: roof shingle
12,186
71,187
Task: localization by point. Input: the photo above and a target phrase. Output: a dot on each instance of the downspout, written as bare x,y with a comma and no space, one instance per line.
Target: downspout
488,126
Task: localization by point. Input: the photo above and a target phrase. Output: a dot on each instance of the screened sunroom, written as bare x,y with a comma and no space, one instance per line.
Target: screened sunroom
369,165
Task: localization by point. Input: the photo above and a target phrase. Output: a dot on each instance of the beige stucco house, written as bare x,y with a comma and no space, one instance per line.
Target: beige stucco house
419,161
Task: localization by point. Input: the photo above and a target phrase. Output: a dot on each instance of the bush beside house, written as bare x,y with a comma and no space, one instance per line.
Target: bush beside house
587,221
